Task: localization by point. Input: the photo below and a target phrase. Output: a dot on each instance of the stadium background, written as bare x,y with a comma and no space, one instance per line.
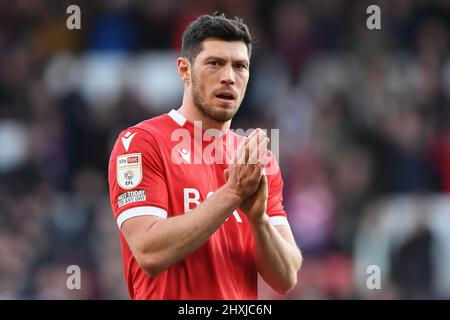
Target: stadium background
364,136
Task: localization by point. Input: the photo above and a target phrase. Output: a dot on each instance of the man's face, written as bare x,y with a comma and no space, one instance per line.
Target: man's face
219,78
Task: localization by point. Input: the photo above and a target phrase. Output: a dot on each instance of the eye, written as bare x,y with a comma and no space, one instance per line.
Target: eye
214,63
240,66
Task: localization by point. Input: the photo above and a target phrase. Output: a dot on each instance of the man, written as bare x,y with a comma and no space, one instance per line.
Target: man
200,229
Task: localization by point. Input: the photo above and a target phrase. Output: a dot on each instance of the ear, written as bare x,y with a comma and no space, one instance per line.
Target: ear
184,70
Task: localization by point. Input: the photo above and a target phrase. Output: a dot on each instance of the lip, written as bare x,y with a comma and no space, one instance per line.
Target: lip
225,100
228,93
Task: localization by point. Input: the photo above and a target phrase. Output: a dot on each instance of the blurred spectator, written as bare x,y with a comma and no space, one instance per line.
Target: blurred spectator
413,260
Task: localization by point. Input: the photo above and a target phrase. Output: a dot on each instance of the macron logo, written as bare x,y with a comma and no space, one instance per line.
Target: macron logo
127,140
185,154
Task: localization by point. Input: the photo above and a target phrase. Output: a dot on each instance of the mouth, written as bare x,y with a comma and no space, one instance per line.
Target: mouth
227,96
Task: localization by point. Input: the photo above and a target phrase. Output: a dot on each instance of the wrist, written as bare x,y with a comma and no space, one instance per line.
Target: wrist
260,221
232,195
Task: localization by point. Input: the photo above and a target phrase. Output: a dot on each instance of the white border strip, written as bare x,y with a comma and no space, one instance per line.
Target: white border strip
140,211
278,221
177,117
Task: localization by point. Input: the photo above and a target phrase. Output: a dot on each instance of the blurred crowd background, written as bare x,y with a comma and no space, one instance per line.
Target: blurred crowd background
364,119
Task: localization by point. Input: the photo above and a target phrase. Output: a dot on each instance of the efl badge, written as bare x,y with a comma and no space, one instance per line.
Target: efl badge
129,170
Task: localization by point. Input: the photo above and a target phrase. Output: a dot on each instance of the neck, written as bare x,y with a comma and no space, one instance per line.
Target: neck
192,114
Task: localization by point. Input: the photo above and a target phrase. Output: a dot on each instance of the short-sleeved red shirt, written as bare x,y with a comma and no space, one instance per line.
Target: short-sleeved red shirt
151,173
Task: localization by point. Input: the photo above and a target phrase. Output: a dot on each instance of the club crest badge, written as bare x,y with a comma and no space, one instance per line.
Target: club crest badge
129,170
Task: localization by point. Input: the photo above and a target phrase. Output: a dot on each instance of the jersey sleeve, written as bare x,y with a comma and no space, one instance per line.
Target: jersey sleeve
137,183
275,210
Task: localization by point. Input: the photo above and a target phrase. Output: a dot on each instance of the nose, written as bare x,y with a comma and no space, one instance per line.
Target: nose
227,75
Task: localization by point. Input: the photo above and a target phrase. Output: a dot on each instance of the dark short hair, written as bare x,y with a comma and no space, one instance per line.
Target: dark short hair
213,26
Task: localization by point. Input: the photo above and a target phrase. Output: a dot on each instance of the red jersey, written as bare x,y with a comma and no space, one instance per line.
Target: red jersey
150,174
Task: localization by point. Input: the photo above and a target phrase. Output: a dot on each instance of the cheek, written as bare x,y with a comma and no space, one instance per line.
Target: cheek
243,80
201,88
208,83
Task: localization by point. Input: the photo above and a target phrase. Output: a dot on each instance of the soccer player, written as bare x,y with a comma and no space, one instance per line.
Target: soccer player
193,229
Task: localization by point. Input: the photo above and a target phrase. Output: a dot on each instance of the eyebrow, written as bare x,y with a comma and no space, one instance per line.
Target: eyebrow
243,61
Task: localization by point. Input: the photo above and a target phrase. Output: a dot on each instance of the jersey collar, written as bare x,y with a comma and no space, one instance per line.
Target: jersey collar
177,117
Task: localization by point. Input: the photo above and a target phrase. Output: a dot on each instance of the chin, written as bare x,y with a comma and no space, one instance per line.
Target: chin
222,113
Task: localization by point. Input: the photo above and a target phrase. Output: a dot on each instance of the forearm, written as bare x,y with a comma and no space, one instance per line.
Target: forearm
169,241
277,260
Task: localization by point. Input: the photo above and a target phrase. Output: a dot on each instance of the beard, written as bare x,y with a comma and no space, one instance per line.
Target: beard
215,113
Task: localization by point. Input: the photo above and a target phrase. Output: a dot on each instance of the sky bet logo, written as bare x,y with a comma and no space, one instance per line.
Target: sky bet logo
134,159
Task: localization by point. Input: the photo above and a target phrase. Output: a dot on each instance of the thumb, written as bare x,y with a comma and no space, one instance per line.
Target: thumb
264,182
226,174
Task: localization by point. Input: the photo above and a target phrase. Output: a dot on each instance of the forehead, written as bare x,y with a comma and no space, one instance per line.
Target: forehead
232,50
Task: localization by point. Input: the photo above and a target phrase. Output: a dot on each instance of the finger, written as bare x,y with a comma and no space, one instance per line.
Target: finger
226,174
251,145
253,133
262,162
264,182
262,148
257,174
256,146
231,151
240,153
253,150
